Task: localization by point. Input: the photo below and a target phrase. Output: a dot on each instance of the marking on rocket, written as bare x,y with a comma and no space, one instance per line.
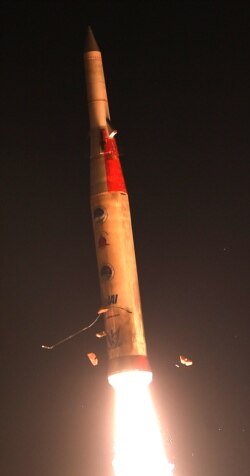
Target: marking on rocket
112,299
102,242
113,338
107,272
99,215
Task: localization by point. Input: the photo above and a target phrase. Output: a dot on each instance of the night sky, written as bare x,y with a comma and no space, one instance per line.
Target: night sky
178,88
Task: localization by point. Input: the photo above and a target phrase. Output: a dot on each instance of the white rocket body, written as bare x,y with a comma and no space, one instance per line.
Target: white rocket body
112,229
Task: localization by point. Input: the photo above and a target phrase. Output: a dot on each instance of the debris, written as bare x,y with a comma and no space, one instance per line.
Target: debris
101,334
102,310
185,360
93,359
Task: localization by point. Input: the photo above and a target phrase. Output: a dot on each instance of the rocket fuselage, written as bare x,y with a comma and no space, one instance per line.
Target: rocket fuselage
112,229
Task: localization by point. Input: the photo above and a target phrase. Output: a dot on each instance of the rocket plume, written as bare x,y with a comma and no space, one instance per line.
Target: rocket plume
138,444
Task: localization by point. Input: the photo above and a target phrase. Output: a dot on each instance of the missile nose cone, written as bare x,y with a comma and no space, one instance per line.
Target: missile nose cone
90,42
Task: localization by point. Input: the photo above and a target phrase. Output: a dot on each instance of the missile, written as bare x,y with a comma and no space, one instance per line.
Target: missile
112,228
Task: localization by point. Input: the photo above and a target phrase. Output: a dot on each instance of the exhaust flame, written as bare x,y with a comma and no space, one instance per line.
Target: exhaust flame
138,447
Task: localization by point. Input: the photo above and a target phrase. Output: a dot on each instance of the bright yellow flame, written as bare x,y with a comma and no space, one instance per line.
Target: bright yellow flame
139,449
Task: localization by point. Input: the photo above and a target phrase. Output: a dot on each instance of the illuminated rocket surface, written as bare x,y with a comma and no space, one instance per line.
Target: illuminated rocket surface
112,228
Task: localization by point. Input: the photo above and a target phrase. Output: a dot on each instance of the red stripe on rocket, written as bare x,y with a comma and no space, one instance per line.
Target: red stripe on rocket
114,175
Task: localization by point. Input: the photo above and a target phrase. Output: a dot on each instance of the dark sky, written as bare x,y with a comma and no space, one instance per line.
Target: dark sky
178,87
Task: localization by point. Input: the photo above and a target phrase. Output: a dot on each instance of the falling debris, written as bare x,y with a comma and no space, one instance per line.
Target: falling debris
101,334
177,365
50,347
92,358
102,310
185,360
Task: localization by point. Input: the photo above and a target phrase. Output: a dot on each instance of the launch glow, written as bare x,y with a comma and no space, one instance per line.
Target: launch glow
138,444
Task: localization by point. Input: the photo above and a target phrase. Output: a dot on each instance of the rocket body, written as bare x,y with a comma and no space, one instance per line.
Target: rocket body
112,229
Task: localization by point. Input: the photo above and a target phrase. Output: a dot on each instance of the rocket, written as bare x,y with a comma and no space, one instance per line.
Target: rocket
110,211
